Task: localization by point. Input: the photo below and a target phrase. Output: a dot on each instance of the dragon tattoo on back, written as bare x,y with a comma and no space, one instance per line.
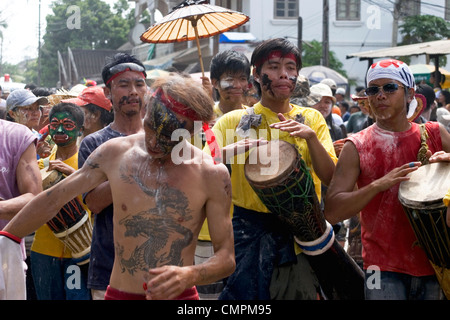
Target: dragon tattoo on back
160,225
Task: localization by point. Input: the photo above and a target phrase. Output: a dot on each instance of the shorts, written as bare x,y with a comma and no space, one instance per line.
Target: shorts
114,294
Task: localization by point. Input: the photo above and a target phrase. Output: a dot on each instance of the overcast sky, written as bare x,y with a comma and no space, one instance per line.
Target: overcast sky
21,36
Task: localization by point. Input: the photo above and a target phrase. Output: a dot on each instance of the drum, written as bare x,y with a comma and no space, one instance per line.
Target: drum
421,197
282,181
72,224
50,178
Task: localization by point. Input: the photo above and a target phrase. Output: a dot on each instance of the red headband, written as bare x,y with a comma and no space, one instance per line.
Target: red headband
276,54
182,109
175,106
120,72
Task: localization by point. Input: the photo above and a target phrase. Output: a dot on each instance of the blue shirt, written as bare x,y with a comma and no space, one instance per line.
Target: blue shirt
102,247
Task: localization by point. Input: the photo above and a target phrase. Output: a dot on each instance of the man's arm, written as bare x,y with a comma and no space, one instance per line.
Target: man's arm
343,200
29,183
48,203
101,197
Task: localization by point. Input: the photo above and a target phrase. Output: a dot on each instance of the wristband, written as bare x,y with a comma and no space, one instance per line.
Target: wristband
10,236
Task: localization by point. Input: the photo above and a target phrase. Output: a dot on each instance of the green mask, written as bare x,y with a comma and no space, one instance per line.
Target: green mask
63,128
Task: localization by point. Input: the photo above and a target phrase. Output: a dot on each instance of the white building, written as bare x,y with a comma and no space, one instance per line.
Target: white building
354,25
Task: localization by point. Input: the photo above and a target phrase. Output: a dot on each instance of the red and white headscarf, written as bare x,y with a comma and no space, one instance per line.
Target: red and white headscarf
395,70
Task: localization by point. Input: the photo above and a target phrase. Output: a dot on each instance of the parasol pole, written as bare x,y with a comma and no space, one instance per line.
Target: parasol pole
194,25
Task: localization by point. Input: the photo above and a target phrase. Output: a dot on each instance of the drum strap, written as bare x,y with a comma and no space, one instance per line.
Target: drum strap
422,154
320,245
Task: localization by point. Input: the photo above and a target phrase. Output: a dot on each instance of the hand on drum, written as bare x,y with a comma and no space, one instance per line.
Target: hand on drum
396,176
61,167
43,149
440,156
295,128
239,147
448,217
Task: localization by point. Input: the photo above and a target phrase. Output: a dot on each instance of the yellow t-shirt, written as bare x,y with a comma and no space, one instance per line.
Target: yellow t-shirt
45,242
225,128
204,231
447,198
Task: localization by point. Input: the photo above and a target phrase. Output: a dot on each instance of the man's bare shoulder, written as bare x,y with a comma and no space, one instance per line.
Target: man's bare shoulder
124,142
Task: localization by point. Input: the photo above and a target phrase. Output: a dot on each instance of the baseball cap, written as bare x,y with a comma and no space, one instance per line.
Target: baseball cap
329,82
23,98
322,90
93,95
340,91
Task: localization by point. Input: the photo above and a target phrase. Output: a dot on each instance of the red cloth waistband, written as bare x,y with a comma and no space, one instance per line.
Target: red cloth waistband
114,294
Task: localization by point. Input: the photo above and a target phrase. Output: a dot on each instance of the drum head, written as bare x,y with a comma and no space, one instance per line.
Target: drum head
269,164
427,185
50,178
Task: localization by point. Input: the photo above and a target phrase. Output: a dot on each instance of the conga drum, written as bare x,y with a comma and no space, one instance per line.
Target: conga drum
281,179
50,178
72,224
422,199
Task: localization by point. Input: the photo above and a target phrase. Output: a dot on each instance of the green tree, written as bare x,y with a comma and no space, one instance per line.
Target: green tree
425,28
312,55
81,24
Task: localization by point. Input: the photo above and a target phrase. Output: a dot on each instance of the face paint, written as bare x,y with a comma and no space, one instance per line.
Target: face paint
227,83
161,123
267,83
293,80
63,129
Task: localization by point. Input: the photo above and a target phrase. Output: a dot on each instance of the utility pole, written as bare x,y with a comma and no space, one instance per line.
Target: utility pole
396,18
300,34
39,46
325,36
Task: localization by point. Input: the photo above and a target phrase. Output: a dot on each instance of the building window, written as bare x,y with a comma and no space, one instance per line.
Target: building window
286,9
348,10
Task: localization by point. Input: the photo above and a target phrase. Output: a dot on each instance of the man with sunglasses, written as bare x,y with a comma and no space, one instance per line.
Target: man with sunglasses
377,159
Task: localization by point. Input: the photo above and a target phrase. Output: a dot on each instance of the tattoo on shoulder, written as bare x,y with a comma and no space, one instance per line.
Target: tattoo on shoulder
91,164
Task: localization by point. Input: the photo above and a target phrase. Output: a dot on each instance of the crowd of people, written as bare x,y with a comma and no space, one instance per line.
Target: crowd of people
172,219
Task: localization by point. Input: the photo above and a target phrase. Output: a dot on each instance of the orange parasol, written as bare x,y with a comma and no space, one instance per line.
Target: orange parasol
193,20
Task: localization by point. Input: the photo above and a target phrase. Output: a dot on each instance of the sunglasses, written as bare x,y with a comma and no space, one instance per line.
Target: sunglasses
387,88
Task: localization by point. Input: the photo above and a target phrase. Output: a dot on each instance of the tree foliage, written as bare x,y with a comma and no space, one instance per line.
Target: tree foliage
312,56
425,28
81,24
417,29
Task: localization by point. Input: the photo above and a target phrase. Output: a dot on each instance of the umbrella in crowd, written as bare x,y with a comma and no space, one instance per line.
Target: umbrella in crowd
422,72
193,20
315,74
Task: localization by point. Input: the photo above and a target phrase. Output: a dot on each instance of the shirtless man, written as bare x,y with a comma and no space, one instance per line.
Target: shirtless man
159,207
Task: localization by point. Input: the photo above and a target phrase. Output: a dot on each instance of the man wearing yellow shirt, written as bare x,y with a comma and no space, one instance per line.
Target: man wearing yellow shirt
54,276
229,73
268,266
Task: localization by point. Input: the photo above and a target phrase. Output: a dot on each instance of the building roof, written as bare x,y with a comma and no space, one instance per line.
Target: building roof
439,47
